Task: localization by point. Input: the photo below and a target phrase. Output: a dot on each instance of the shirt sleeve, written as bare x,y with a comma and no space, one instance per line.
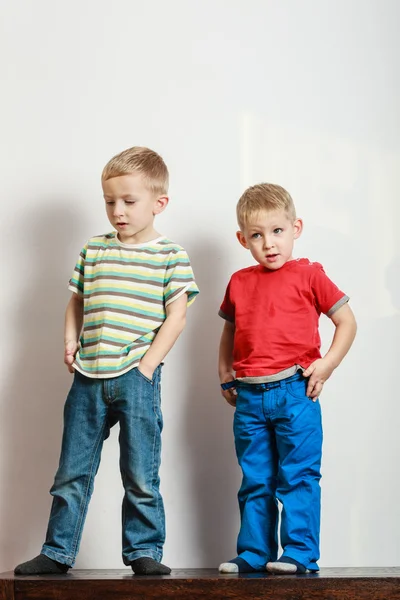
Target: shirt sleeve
328,297
77,279
227,308
179,279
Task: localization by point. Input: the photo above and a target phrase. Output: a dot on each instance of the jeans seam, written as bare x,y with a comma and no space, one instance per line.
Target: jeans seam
84,501
155,471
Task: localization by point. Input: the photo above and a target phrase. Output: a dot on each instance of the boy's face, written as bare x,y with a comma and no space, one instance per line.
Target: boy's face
270,235
131,207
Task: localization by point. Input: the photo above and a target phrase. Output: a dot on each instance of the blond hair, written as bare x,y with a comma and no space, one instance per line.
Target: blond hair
264,197
139,160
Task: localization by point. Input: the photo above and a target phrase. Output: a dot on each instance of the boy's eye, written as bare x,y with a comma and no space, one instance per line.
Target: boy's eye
255,236
129,202
278,230
109,202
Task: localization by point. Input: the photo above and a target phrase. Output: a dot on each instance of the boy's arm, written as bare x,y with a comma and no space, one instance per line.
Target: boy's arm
166,337
72,329
320,370
225,361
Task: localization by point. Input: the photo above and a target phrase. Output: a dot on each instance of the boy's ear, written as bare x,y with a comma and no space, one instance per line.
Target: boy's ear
160,204
297,228
242,240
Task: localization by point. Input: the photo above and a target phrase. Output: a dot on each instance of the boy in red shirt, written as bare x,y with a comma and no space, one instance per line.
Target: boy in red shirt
272,371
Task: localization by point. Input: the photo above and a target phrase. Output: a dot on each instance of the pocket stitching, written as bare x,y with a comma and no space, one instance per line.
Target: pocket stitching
298,397
144,376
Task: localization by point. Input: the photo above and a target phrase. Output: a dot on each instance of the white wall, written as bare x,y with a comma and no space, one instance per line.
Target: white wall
302,93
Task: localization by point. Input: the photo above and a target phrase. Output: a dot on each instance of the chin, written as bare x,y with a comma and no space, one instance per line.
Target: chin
273,266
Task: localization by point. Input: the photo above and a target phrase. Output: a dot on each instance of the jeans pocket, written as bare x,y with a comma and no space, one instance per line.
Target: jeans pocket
298,389
143,376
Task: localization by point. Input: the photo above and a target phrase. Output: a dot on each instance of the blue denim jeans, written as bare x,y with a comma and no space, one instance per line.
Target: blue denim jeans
91,407
278,439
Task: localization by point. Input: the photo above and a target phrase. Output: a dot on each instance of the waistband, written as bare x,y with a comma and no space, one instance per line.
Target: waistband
268,385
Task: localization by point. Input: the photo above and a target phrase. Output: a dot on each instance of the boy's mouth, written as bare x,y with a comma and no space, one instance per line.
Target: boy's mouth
271,257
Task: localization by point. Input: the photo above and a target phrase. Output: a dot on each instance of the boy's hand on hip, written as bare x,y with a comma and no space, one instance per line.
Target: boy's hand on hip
70,349
318,372
231,394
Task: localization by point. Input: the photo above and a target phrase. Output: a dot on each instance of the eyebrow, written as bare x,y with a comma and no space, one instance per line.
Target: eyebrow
256,228
125,197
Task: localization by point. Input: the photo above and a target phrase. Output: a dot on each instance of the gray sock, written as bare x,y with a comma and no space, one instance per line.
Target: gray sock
148,566
41,565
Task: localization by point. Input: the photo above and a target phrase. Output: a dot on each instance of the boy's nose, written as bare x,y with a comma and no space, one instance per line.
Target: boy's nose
118,210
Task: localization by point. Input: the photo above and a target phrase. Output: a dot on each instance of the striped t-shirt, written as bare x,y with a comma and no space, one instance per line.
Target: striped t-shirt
125,290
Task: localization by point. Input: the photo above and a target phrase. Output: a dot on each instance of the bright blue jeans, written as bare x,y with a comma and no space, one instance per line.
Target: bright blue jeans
92,406
278,439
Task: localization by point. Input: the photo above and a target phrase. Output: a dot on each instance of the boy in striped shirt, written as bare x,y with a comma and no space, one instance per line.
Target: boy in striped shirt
130,290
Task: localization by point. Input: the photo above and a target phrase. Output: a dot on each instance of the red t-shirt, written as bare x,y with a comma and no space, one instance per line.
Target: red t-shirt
276,315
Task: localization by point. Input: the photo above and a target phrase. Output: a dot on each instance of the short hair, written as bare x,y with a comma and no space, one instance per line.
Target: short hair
139,160
264,197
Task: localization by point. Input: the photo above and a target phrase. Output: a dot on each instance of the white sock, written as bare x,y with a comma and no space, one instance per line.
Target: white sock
228,568
281,567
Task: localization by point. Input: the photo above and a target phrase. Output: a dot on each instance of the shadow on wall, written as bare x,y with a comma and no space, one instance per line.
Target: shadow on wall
37,382
208,436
